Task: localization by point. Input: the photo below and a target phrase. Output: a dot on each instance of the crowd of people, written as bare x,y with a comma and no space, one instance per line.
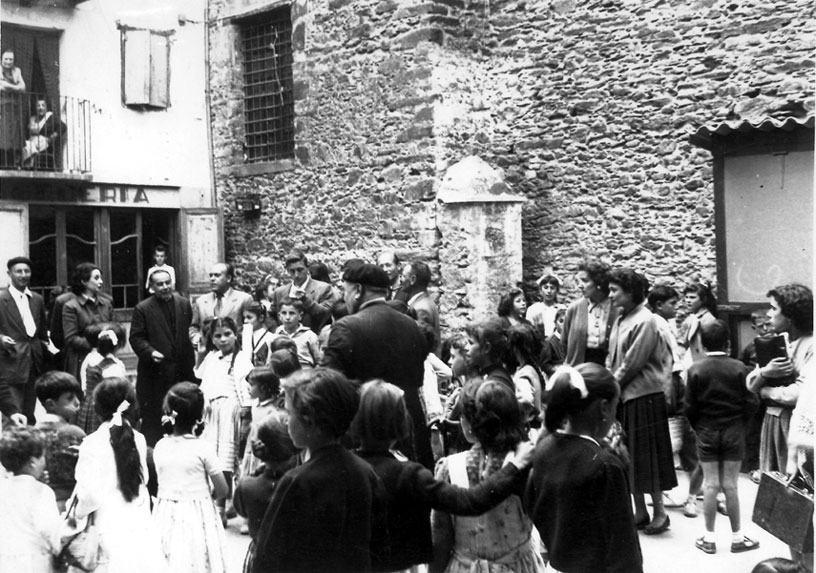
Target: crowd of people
348,435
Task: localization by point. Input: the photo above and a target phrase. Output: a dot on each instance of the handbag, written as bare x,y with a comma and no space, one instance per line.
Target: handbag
83,544
785,511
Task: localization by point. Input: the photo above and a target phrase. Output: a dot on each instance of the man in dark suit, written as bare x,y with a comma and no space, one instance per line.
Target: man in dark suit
159,337
316,296
376,341
23,341
416,277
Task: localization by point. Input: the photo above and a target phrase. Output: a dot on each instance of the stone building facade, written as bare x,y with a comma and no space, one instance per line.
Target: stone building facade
585,108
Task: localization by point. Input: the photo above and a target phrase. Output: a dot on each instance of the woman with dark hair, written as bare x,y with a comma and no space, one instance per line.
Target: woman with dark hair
589,319
88,306
512,308
779,382
488,350
641,360
111,475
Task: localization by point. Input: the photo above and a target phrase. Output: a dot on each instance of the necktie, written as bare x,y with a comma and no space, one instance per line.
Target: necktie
28,318
219,299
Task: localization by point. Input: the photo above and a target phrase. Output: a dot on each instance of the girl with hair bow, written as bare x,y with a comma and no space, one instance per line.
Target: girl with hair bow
106,339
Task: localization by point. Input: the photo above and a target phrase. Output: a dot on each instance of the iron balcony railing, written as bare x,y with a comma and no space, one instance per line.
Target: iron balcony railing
41,133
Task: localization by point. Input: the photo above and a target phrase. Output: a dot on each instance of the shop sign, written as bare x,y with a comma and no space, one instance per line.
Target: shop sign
98,195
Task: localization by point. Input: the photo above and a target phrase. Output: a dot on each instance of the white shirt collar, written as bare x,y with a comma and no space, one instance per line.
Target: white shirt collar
19,294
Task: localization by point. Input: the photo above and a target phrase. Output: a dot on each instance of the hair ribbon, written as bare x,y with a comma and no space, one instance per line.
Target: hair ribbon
170,418
574,378
116,419
111,335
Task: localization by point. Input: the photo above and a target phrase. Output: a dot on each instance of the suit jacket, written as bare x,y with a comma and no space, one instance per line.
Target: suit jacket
317,303
427,312
233,304
380,342
57,334
149,331
22,365
377,342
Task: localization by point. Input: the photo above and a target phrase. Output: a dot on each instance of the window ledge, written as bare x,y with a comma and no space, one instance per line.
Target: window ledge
262,168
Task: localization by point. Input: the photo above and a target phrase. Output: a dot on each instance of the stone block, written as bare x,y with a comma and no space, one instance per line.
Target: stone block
414,37
415,132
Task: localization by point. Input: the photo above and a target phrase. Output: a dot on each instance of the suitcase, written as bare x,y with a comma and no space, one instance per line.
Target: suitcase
785,511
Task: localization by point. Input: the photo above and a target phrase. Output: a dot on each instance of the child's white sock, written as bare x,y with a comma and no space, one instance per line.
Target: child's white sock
736,536
709,537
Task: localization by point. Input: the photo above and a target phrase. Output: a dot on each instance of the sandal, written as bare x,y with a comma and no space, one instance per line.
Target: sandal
656,530
706,546
747,544
690,509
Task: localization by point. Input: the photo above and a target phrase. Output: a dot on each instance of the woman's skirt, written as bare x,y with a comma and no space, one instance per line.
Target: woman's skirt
646,425
192,537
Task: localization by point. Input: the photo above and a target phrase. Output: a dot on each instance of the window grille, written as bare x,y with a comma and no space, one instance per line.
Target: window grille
269,110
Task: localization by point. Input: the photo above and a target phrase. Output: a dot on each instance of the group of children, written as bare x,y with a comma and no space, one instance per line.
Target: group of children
281,433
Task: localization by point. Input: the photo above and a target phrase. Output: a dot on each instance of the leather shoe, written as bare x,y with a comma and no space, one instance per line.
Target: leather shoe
656,530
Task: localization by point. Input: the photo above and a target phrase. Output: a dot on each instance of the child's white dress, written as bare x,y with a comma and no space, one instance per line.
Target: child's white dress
29,525
128,539
223,382
185,515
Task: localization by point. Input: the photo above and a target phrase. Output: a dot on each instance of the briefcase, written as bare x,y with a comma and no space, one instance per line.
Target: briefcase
785,511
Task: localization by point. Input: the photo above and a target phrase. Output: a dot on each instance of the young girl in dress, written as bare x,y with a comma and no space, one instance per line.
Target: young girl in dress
382,421
502,539
30,524
223,371
186,517
264,387
106,339
255,336
528,379
111,475
578,494
271,445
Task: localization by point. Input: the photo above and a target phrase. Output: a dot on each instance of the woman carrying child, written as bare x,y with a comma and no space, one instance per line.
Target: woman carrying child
105,339
577,493
500,540
223,368
381,422
187,520
30,525
111,475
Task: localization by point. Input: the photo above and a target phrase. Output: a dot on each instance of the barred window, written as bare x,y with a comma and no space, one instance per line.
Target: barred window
269,109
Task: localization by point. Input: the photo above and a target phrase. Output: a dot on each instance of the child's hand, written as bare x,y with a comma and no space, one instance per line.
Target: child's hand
523,455
19,419
777,368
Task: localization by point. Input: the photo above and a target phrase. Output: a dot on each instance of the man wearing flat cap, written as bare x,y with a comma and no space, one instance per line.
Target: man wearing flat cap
23,341
376,341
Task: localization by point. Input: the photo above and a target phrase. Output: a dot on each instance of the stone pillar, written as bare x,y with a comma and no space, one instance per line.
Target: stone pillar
479,221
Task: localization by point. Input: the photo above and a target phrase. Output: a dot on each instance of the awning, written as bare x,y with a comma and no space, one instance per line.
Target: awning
703,136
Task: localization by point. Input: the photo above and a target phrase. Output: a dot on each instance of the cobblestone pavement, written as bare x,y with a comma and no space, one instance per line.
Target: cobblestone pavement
671,552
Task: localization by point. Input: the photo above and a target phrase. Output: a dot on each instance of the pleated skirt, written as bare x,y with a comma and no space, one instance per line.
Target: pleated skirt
192,537
646,424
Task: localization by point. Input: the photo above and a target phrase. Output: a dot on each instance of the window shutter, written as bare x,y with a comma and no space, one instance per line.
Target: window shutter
159,70
145,68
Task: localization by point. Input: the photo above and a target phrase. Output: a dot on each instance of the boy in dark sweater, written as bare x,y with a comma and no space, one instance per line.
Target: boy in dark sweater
718,405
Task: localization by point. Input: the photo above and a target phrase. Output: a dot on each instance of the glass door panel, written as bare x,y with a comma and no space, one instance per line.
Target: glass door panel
125,243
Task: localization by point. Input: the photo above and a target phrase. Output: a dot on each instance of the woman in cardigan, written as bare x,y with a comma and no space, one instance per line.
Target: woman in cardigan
589,319
87,307
641,361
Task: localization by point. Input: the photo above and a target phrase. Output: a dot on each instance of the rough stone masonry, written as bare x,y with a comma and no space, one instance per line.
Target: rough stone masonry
585,106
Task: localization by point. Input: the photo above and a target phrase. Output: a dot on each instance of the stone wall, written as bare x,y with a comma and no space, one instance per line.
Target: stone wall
586,107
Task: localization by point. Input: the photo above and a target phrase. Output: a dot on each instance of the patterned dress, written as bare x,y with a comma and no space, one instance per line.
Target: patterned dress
502,540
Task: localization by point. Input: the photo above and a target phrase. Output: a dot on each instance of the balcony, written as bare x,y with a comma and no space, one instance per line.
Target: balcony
44,138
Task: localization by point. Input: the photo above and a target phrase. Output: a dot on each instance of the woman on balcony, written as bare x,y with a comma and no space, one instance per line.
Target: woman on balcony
11,123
